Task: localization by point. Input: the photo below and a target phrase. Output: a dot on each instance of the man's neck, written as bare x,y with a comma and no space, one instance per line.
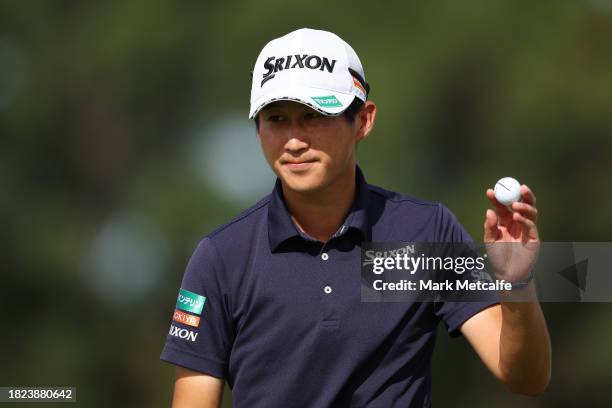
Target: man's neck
322,213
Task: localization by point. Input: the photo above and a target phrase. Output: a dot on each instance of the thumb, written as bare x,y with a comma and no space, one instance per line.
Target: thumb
491,231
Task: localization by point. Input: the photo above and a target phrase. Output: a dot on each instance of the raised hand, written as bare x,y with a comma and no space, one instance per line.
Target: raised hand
511,236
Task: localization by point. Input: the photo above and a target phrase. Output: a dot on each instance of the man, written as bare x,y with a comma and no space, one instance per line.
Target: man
271,301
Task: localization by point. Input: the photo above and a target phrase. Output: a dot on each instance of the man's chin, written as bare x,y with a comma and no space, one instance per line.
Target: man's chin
302,186
301,183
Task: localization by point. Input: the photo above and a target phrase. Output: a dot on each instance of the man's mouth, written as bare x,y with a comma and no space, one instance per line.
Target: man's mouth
299,165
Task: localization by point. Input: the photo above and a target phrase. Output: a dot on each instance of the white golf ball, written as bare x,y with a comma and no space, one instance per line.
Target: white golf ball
507,190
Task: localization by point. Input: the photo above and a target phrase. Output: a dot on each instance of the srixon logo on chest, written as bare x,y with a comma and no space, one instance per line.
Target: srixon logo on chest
273,64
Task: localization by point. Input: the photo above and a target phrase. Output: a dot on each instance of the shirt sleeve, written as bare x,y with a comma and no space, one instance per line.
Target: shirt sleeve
454,313
201,331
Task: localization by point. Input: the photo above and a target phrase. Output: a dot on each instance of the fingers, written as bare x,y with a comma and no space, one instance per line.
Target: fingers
491,232
530,231
518,218
527,195
526,210
523,220
526,207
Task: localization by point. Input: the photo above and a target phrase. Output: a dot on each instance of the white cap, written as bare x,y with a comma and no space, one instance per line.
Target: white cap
314,67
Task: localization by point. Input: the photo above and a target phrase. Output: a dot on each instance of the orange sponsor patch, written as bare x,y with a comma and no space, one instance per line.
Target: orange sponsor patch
186,318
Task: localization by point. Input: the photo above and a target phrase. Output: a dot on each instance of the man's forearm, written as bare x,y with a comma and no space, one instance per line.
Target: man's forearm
525,352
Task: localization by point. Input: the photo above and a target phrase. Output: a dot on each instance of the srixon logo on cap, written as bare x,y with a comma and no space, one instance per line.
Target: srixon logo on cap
273,64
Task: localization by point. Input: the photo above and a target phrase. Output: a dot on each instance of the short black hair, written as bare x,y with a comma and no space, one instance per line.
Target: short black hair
348,114
353,109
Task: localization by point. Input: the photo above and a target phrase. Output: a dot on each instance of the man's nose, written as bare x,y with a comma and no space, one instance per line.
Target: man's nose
297,137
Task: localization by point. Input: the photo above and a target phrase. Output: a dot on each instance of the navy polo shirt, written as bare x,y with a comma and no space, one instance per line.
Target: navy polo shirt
279,315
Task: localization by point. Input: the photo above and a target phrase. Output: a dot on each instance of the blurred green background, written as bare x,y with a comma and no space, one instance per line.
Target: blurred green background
124,139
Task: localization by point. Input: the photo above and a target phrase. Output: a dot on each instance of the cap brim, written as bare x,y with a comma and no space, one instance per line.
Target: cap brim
323,101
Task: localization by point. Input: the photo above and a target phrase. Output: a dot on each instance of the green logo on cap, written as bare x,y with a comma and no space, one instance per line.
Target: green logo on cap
329,101
190,302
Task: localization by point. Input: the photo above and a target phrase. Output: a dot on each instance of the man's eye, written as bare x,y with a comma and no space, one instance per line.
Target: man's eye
313,115
275,118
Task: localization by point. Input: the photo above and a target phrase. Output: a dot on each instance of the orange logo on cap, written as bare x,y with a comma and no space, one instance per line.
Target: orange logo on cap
358,85
185,318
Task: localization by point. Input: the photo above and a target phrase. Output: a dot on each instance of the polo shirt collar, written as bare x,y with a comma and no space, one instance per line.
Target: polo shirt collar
281,227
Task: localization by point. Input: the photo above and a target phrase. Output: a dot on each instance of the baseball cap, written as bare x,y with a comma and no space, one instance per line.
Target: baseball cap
313,67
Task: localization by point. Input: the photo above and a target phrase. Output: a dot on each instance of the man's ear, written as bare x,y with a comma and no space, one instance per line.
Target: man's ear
365,120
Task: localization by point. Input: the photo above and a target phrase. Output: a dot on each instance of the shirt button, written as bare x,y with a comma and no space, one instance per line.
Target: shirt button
324,256
327,289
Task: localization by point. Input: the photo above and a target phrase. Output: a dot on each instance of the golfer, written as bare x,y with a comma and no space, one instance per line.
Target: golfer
271,301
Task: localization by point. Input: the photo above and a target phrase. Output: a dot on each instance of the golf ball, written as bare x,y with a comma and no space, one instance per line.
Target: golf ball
507,190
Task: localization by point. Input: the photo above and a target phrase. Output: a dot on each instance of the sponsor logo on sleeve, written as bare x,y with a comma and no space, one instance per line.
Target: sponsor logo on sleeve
186,318
181,333
190,302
